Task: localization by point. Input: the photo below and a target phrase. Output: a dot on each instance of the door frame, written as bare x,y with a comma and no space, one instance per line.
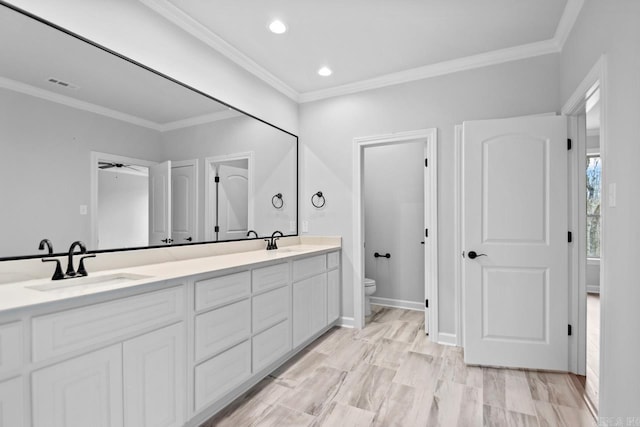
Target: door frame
574,108
430,214
209,162
96,157
194,163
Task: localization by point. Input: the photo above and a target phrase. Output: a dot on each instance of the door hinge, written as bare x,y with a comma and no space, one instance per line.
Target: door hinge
569,330
568,143
216,228
426,303
570,237
217,179
426,163
426,232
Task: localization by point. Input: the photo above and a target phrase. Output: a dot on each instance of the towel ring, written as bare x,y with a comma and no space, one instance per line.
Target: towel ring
275,203
318,200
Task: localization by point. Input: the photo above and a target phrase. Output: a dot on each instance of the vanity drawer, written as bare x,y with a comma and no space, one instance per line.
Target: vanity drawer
11,346
222,290
270,308
309,266
270,277
66,331
333,259
217,376
271,344
221,328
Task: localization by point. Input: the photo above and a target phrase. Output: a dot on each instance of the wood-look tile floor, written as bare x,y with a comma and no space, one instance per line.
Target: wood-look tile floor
593,348
390,374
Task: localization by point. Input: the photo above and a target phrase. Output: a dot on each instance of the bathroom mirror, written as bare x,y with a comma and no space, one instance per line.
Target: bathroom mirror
97,148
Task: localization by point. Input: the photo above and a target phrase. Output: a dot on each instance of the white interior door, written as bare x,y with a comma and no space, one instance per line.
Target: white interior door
183,203
160,204
233,202
515,213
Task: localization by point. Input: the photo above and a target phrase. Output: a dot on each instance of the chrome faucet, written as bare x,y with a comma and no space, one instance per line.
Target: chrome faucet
252,231
271,243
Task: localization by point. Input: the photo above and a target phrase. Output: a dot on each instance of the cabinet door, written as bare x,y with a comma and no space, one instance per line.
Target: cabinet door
11,403
333,295
309,307
81,392
155,379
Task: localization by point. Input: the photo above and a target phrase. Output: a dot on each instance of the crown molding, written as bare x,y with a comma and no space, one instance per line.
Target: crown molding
569,16
176,16
434,70
75,103
567,21
114,114
200,120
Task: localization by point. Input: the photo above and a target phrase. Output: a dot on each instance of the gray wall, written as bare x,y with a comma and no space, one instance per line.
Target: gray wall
45,168
327,129
274,164
612,28
394,220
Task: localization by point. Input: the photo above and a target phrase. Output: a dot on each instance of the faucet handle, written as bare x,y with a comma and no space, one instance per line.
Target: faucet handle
81,270
58,274
269,244
274,245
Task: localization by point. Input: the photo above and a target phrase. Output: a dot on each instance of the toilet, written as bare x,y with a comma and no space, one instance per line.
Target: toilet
369,289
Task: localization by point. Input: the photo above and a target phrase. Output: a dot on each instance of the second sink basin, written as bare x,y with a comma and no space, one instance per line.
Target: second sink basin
88,282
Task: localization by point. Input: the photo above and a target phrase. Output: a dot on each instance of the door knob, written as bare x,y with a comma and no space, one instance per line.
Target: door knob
167,240
189,239
474,255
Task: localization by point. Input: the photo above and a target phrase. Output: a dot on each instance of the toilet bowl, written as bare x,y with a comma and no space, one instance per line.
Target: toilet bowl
369,289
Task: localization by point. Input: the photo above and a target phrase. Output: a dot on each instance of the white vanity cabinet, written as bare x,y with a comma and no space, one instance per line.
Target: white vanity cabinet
316,295
170,354
241,331
155,382
11,402
137,380
11,389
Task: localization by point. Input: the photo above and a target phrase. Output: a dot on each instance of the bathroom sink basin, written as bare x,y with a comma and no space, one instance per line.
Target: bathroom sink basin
87,283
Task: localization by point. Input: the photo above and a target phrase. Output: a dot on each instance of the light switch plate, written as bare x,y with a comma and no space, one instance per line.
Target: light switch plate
83,209
305,226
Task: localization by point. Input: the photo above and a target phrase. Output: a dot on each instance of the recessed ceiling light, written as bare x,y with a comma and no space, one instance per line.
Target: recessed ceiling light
325,71
277,27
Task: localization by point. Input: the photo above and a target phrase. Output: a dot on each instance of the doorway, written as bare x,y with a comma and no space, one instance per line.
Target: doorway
119,210
229,197
428,137
394,227
184,201
593,177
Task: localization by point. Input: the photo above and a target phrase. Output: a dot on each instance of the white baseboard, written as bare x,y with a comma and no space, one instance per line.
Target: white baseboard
398,303
447,339
593,289
346,322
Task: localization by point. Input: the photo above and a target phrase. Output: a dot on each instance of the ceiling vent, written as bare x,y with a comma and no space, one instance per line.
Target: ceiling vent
62,83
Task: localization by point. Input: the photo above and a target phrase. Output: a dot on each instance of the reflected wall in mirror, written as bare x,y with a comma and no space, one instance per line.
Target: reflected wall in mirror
99,149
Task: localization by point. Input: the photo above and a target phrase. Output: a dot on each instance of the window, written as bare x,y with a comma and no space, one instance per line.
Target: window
594,174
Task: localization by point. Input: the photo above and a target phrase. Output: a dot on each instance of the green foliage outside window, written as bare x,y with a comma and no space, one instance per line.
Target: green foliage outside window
594,175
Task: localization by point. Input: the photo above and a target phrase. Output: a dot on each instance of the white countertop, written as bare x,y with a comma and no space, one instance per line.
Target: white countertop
20,294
